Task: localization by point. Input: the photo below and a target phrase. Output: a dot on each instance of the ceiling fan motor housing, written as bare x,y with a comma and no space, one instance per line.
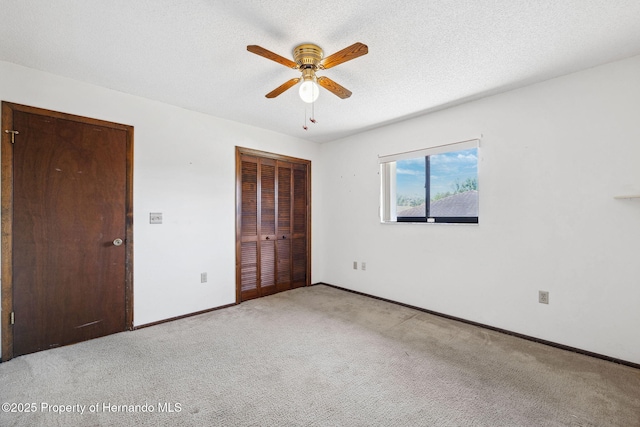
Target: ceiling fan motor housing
308,56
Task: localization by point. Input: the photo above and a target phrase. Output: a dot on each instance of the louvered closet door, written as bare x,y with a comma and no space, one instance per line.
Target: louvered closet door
273,224
248,228
299,208
283,245
267,227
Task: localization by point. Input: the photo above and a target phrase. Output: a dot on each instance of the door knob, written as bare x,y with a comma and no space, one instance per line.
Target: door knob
117,242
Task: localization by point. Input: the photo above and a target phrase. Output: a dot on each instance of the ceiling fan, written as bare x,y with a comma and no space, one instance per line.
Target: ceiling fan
308,58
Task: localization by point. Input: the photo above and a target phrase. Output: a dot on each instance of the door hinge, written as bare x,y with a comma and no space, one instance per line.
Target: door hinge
13,135
13,318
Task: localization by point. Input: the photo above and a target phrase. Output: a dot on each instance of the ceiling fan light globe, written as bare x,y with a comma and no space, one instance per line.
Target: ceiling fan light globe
309,91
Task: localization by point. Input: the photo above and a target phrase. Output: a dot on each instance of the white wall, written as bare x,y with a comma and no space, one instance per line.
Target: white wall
184,167
553,155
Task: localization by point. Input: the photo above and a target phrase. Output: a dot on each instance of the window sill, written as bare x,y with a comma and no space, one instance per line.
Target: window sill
428,223
631,196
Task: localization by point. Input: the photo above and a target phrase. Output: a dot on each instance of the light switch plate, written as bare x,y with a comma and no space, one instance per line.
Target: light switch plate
155,218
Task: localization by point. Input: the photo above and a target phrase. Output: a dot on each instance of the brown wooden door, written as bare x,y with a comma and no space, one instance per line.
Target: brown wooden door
69,206
273,224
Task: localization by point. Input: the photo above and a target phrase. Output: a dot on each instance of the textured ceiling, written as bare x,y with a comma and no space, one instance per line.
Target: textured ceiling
423,54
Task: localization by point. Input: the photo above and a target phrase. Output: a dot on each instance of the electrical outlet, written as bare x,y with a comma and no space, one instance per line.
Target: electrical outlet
543,297
364,266
355,265
203,277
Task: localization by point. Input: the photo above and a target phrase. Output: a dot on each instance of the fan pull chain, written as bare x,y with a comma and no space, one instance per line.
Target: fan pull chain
304,124
312,119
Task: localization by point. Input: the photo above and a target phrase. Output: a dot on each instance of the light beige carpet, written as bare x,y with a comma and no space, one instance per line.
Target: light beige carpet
316,356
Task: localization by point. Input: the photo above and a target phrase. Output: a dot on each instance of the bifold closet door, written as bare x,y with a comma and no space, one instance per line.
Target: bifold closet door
249,220
273,224
300,227
267,236
283,229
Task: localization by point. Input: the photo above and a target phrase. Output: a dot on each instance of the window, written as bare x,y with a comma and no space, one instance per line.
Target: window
438,184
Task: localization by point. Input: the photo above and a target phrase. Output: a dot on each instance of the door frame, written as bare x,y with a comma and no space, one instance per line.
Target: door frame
267,155
6,224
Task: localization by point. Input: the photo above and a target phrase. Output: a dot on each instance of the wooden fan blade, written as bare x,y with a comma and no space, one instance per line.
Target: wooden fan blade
277,91
346,54
334,87
272,56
